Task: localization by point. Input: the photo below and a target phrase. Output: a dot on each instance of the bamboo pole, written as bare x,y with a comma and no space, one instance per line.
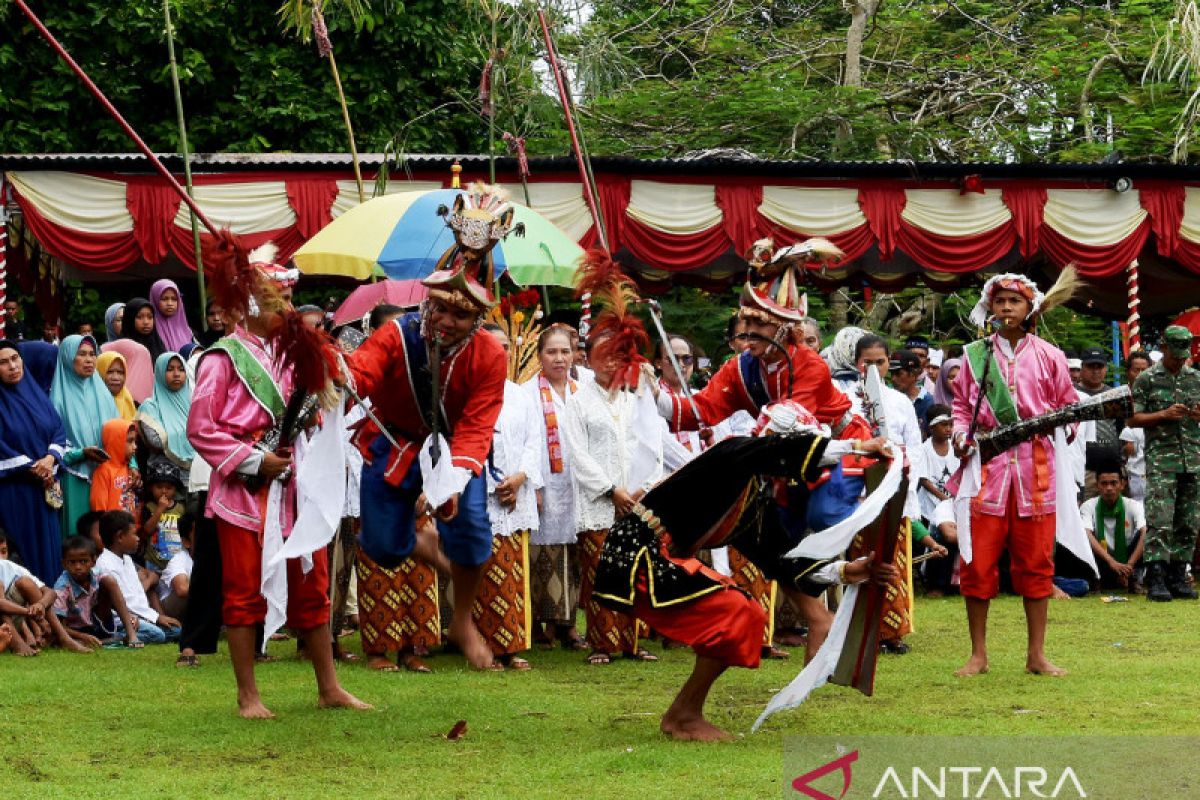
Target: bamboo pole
187,162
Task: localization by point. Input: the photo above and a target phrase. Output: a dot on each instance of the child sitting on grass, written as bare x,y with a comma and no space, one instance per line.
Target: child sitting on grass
160,520
114,483
118,531
24,604
177,574
85,602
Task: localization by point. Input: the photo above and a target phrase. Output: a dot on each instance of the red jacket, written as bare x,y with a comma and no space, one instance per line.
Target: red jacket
472,388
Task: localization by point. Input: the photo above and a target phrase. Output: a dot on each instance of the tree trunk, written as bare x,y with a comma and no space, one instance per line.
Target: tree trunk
861,12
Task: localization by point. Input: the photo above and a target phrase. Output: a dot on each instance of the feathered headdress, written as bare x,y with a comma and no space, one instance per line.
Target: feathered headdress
616,332
773,287
1064,288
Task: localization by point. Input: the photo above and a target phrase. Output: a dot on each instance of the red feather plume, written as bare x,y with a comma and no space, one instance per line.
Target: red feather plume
232,281
616,332
309,351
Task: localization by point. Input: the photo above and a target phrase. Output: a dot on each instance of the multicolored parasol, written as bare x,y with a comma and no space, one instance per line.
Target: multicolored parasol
403,234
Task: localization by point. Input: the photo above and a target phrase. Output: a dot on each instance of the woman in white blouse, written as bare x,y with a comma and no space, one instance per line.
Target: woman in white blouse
616,447
552,553
513,470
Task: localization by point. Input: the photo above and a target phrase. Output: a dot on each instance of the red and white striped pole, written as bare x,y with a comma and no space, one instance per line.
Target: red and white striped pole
3,260
1135,317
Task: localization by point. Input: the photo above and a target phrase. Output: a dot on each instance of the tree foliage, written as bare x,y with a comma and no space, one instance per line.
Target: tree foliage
940,80
248,86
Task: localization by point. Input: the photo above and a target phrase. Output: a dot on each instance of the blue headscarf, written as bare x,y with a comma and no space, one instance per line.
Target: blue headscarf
40,360
28,423
84,404
169,409
110,316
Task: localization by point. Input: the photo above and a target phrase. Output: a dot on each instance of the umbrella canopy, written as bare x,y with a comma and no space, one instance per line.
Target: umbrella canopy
406,294
403,234
1190,319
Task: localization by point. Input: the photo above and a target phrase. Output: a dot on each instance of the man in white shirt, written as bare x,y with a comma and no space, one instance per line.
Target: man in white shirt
1116,527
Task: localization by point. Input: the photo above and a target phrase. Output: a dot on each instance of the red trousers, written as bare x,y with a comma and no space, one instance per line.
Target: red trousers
1030,545
725,625
241,581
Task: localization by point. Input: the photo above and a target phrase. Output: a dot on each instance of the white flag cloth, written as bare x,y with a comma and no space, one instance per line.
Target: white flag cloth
818,671
442,482
834,540
320,496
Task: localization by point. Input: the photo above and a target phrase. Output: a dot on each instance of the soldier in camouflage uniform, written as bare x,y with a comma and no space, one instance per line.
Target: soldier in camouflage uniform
1166,402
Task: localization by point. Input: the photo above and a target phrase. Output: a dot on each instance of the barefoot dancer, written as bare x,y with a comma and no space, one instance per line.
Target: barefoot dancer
394,369
648,567
1010,502
242,385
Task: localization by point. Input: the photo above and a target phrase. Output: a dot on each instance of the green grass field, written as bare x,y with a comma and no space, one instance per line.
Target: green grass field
129,724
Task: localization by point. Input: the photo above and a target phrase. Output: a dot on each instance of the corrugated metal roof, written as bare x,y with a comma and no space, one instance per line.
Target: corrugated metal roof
703,164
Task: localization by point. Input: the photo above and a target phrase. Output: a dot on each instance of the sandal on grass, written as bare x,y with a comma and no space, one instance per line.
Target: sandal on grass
413,663
641,654
597,657
381,664
519,664
185,660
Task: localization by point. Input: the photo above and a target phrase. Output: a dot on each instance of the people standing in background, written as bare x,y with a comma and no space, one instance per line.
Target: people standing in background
138,324
32,446
1133,440
170,318
943,394
907,375
84,404
553,555
14,326
110,366
214,316
139,367
51,331
113,317
1105,448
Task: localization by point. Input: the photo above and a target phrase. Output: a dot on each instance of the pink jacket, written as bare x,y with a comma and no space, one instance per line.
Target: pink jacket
1039,381
224,422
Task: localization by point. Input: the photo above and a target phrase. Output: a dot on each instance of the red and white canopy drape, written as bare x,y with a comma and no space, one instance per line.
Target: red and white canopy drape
107,222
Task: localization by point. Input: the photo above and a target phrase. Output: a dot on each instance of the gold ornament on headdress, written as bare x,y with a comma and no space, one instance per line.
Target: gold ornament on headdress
773,290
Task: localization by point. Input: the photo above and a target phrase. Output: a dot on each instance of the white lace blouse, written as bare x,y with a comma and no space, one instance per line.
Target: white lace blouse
514,449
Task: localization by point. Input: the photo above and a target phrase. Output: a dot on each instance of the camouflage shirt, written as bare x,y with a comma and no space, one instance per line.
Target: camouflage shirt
1171,446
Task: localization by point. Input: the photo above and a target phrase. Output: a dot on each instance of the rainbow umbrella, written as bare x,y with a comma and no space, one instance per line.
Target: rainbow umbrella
403,234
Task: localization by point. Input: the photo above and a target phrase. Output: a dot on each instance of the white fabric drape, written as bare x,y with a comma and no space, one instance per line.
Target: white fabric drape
813,211
243,207
946,212
1190,227
347,196
92,205
562,204
1096,217
679,208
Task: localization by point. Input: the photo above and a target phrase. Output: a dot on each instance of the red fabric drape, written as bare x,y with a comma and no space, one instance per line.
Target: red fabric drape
1164,204
614,199
312,200
1027,205
675,252
1188,254
882,207
1094,261
739,204
153,206
955,253
102,252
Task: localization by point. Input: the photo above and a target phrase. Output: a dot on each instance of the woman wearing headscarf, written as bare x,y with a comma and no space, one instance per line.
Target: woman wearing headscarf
170,320
138,323
32,445
163,418
139,367
40,360
111,368
112,321
943,392
84,404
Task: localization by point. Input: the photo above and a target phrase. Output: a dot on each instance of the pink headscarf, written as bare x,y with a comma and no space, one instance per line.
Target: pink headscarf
173,330
139,379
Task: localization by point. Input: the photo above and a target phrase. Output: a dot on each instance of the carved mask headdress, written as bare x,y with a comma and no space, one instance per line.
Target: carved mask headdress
616,332
773,291
481,218
1064,289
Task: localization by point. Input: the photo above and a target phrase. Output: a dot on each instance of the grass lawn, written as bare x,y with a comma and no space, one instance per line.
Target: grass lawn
129,724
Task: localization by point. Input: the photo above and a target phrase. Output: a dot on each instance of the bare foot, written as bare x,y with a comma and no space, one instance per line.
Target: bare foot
73,646
252,708
21,648
1042,666
976,665
692,729
471,643
87,640
340,698
1058,594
